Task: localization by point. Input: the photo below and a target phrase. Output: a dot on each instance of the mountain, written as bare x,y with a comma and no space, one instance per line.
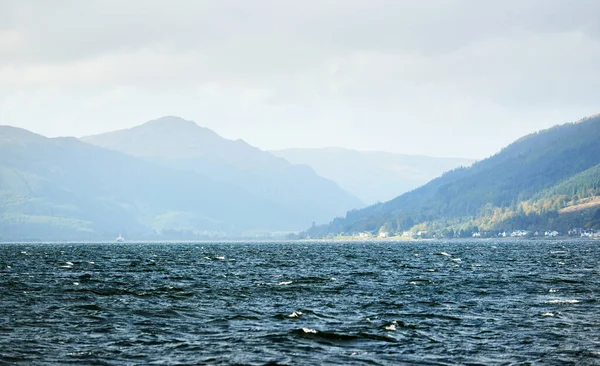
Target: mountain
372,176
537,182
181,144
65,189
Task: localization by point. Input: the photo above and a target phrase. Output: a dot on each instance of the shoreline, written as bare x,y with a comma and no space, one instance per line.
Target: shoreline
320,240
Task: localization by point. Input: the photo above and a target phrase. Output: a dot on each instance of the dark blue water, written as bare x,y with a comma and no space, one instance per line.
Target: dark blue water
476,302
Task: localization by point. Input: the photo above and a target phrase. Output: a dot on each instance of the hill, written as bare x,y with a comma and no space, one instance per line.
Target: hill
65,189
372,176
505,191
177,143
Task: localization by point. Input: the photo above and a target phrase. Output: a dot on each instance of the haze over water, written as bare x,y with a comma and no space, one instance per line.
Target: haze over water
378,303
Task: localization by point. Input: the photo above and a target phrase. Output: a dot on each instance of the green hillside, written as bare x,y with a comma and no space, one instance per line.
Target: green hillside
573,203
64,189
523,186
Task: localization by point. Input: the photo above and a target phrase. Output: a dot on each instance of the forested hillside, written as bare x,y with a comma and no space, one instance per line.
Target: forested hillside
526,185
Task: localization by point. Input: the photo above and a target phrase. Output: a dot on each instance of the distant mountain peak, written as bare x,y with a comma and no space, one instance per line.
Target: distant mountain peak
5,129
178,129
171,121
176,137
10,132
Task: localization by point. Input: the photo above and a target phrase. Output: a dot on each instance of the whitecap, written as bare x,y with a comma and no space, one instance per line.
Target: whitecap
295,314
457,259
23,252
69,263
221,258
285,283
412,283
308,330
445,254
391,327
547,314
552,290
8,266
76,283
562,301
431,270
92,262
561,263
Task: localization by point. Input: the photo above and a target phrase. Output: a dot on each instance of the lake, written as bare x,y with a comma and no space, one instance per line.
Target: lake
373,303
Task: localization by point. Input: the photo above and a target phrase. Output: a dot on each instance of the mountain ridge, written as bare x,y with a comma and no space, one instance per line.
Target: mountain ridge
234,162
64,188
50,189
496,187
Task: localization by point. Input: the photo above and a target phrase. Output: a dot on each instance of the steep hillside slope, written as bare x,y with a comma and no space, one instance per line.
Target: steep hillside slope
496,186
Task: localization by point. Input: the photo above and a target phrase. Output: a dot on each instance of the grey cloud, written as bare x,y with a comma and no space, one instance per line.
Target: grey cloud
61,29
362,74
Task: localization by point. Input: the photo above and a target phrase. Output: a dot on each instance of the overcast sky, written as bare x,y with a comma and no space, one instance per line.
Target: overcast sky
444,77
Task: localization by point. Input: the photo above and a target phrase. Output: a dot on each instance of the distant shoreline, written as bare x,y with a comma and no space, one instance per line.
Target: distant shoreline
315,240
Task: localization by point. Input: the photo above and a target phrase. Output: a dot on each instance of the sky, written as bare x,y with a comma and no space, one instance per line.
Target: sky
458,78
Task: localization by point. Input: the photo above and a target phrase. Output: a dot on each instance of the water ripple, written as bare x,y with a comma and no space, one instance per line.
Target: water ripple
438,303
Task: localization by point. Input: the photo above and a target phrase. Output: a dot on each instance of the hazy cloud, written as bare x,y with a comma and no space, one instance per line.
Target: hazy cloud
446,77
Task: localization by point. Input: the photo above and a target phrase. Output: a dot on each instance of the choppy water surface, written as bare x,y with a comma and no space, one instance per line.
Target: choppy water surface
476,302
